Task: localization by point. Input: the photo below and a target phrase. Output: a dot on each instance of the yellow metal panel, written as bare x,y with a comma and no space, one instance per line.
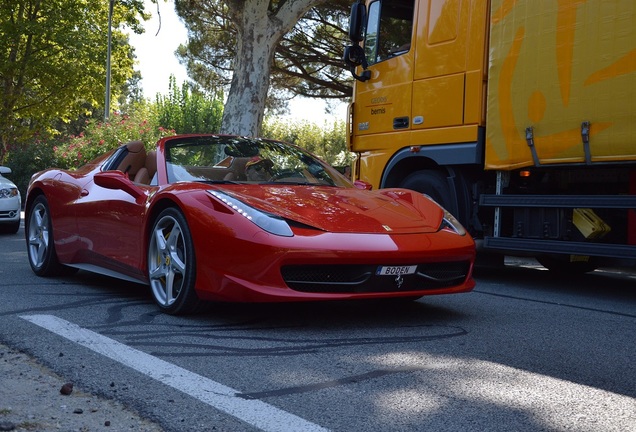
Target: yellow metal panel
589,223
386,96
375,153
371,167
379,142
477,35
475,92
376,150
438,102
553,66
442,28
458,134
422,137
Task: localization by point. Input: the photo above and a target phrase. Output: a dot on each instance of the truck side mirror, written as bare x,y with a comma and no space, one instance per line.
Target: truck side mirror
357,22
353,57
354,54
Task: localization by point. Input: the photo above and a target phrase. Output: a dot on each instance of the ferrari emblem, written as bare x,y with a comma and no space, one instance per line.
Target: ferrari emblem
399,280
387,228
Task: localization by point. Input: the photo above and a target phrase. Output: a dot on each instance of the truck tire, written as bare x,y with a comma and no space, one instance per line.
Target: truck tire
433,184
562,264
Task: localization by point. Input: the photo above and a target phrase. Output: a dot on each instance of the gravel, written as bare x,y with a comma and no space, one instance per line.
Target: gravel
33,398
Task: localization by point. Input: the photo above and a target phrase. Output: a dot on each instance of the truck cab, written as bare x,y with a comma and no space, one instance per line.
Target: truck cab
519,120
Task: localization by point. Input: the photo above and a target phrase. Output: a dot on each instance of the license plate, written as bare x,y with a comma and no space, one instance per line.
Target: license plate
395,270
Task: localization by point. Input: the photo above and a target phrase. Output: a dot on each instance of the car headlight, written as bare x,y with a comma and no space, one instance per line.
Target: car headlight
267,222
8,192
449,223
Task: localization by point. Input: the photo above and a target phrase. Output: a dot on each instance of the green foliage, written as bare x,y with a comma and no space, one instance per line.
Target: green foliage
188,111
30,158
52,61
99,137
327,142
307,60
96,138
192,112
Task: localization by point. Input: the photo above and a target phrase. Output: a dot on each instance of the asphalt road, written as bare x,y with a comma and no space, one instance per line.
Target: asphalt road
525,351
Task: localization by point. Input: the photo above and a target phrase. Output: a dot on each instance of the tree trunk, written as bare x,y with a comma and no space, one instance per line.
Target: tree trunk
260,27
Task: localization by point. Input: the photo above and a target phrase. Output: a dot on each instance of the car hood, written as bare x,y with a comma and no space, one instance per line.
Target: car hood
6,183
349,210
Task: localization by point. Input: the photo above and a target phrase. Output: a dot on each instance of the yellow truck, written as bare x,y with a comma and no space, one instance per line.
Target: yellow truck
518,116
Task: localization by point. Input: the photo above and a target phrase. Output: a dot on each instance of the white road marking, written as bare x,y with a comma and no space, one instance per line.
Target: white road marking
257,413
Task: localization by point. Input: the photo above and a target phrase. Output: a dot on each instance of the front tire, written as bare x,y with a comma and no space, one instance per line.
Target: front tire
172,264
563,265
39,238
432,183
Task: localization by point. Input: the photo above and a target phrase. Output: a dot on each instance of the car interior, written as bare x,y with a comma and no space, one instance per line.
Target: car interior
141,166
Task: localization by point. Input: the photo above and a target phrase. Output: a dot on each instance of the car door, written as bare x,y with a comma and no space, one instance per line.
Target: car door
111,225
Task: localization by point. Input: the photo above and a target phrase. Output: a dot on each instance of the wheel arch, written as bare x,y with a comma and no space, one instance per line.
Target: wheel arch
401,166
31,196
439,157
459,164
153,213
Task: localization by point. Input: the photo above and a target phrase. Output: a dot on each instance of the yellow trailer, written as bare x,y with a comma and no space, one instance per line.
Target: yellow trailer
519,116
563,75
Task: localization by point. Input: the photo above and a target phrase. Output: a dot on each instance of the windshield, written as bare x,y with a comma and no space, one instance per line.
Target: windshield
225,159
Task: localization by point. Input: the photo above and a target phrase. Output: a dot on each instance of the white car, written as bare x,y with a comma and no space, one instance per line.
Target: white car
10,204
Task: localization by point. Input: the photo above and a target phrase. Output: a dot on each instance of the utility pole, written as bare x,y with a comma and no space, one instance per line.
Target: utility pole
110,32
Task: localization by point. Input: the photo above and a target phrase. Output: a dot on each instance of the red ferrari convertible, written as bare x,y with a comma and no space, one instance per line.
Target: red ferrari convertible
224,218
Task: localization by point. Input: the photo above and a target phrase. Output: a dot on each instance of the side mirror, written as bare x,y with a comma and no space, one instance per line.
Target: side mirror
5,170
354,54
361,184
357,22
353,57
117,180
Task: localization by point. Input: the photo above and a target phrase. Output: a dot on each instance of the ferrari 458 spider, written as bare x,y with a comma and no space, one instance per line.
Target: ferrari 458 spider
224,218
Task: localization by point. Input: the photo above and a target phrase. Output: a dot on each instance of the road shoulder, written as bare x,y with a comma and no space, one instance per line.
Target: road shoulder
30,399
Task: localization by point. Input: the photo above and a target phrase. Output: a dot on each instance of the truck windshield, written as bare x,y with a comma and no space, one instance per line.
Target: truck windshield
389,29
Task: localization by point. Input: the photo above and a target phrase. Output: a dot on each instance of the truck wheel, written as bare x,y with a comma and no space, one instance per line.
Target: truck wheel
431,183
562,264
490,259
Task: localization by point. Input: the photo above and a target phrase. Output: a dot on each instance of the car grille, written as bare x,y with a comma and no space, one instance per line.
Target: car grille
8,214
347,279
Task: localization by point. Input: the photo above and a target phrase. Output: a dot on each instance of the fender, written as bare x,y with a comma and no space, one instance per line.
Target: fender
470,153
